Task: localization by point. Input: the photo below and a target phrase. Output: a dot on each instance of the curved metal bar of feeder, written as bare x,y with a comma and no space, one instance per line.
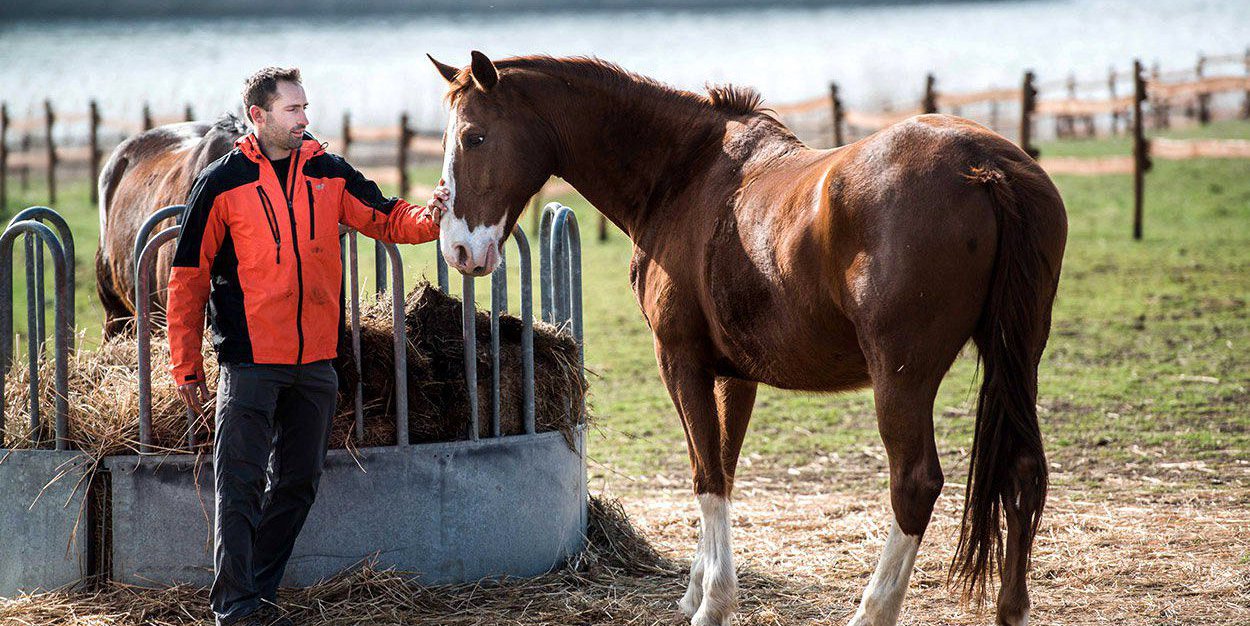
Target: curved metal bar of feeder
66,236
379,267
567,251
143,331
469,333
527,329
401,343
354,259
444,281
558,243
34,297
498,304
544,262
34,329
62,332
145,231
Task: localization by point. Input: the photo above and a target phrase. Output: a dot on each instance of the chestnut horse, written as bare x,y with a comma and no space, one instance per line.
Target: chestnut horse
760,260
153,169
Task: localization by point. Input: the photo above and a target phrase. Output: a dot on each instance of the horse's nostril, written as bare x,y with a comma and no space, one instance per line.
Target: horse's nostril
462,254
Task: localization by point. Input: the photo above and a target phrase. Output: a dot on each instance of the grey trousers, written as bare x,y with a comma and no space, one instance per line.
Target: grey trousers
273,427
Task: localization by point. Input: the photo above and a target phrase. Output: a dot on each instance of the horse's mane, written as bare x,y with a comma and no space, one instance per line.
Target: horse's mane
231,124
726,98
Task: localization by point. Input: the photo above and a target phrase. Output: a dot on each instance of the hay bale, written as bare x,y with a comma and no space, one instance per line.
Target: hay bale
104,400
434,322
104,394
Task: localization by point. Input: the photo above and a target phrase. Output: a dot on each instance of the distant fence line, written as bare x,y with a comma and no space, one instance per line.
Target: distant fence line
1074,107
1116,104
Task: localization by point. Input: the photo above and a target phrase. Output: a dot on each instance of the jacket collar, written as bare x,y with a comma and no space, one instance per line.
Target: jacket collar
249,145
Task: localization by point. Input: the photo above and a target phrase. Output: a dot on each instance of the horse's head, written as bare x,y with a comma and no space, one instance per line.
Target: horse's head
497,154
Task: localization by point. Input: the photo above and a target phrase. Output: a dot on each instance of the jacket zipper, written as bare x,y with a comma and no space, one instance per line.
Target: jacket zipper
299,268
271,219
312,217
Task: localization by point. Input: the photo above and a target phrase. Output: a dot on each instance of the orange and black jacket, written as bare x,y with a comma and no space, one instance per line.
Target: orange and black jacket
265,259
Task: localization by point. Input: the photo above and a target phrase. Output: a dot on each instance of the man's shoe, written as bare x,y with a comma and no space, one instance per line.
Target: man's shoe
266,615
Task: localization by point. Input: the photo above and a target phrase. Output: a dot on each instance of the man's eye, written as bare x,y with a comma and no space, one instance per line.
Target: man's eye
475,140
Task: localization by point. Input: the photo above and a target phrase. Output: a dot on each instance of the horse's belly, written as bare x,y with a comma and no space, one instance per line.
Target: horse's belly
789,350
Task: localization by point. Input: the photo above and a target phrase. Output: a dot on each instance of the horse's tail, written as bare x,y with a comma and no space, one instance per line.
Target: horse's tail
1007,471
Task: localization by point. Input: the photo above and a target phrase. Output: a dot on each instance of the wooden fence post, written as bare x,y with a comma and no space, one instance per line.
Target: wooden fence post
1115,113
1159,106
929,104
147,116
49,119
1028,103
1204,98
836,114
188,113
1141,148
94,145
24,170
1245,101
1065,125
4,156
405,138
347,133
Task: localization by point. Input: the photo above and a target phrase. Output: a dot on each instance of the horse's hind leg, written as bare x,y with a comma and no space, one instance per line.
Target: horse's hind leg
905,420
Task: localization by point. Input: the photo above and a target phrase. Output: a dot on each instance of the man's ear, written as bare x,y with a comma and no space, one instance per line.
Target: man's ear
253,113
484,74
448,72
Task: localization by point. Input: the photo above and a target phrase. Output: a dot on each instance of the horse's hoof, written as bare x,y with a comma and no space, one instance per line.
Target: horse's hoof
689,604
705,618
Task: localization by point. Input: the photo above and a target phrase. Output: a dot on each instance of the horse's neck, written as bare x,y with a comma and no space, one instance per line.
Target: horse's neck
633,160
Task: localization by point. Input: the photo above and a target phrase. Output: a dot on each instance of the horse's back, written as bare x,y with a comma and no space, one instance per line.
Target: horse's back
153,169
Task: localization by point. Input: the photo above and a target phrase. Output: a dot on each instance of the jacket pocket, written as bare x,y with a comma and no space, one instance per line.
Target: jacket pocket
271,218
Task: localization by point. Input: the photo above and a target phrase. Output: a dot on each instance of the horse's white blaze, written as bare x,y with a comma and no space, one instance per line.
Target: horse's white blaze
453,229
478,240
884,595
449,158
720,583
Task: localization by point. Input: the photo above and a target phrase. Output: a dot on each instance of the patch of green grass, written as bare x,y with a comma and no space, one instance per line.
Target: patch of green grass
1148,349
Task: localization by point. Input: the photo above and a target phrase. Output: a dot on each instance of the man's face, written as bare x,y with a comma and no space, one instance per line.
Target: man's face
282,126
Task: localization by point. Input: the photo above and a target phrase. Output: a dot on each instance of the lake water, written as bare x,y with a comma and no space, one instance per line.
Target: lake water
376,66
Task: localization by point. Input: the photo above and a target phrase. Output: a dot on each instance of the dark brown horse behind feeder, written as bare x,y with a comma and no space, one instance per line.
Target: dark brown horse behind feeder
759,260
151,170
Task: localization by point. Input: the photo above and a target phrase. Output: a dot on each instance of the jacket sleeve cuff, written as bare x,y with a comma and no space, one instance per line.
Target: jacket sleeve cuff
186,375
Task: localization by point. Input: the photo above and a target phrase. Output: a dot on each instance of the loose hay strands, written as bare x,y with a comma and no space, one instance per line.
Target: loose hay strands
104,394
582,592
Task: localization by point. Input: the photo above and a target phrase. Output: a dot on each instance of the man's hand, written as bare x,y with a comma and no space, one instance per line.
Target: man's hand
195,395
436,204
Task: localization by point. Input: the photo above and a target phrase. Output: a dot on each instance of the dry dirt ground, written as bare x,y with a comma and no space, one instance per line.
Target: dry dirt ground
1141,543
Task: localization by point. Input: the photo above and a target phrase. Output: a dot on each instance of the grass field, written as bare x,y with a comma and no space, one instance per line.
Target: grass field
1144,405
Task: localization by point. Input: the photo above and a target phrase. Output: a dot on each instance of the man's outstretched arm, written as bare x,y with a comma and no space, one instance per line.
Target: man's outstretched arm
392,220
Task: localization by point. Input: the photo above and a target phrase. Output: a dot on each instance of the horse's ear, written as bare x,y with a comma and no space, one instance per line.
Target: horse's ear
448,72
484,73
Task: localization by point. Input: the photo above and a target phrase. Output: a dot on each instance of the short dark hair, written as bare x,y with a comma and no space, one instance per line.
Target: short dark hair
261,88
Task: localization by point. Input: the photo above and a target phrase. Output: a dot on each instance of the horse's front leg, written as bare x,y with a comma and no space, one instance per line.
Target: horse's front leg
713,445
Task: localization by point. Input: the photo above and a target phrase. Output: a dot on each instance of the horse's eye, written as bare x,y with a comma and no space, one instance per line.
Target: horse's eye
475,139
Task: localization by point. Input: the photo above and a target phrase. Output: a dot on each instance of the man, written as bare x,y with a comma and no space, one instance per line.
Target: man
260,246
